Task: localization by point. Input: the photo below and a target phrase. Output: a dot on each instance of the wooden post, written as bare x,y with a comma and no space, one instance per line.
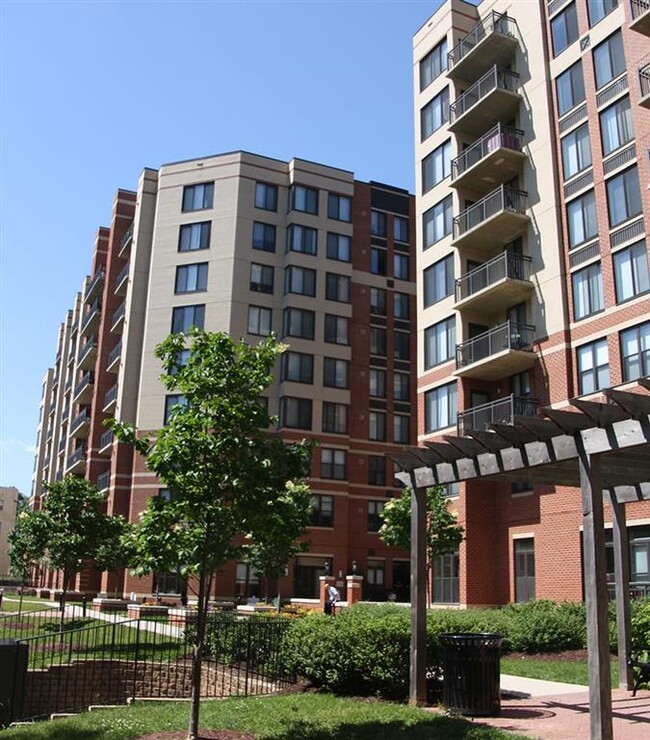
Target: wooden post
622,584
418,667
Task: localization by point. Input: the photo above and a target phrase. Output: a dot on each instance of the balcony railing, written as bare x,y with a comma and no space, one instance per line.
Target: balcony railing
126,239
644,81
637,590
92,313
111,395
78,455
507,336
119,313
503,411
103,480
504,198
62,445
505,265
499,137
80,419
87,347
492,23
106,439
86,380
114,353
122,275
95,282
496,78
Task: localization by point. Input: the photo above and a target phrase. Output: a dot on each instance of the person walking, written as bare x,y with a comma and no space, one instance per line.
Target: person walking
332,597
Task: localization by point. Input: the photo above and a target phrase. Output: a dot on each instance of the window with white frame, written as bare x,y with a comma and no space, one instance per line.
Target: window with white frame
616,127
564,29
631,275
576,151
588,295
570,88
593,366
581,217
609,59
635,352
440,407
623,196
598,9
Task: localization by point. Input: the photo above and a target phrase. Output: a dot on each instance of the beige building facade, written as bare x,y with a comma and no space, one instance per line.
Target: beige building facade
8,502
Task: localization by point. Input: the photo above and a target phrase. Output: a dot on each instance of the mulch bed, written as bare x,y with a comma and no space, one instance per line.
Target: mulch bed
205,735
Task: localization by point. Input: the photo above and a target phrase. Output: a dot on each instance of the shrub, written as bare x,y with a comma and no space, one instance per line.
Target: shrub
640,625
545,626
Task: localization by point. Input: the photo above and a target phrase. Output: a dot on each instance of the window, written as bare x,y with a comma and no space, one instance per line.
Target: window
194,236
261,278
400,266
304,199
616,125
593,366
401,305
302,239
322,511
375,521
401,429
337,287
437,222
631,272
576,151
266,196
450,490
570,88
295,413
377,426
440,407
524,569
439,342
336,329
400,229
433,64
401,345
300,280
335,417
297,322
401,387
581,215
378,223
186,317
260,321
191,278
439,280
564,29
436,166
338,247
297,367
598,9
376,470
434,114
198,197
264,236
332,464
377,383
609,60
377,341
339,207
378,301
445,579
171,401
179,362
635,350
587,291
623,196
378,258
335,372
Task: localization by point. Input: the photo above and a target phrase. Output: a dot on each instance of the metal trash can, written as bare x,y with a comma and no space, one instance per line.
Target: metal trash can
471,669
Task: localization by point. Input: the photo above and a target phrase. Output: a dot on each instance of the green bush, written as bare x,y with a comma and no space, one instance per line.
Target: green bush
640,625
545,626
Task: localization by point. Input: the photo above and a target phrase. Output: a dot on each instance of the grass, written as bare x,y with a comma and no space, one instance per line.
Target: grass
297,717
548,668
10,604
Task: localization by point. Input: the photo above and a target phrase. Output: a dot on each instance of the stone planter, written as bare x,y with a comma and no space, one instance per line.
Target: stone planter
109,605
142,611
182,617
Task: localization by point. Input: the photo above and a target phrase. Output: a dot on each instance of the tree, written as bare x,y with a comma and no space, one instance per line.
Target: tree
220,461
27,544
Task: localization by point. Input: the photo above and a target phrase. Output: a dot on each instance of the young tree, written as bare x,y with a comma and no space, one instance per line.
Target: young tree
219,460
27,544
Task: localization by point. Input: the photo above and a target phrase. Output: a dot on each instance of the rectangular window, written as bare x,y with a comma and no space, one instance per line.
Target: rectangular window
335,372
378,223
440,408
401,306
400,229
609,59
261,278
378,259
336,329
335,418
635,350
377,383
433,64
186,317
322,511
339,207
377,341
191,278
377,426
400,266
194,236
295,413
332,464
297,322
401,387
437,222
564,28
260,321
264,236
623,196
401,345
631,272
302,239
266,196
593,366
581,216
401,429
598,9
198,197
375,521
587,291
376,470
446,582
300,280
616,126
337,287
439,280
338,247
434,114
576,151
570,88
439,342
436,166
304,199
171,401
378,301
297,367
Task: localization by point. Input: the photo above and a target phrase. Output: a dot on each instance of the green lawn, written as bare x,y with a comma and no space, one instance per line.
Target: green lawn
547,668
10,604
298,717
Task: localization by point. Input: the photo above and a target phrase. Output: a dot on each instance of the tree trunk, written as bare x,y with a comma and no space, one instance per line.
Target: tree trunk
66,578
197,658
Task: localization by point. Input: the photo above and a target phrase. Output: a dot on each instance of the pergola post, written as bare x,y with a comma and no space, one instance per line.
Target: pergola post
595,579
418,666
622,584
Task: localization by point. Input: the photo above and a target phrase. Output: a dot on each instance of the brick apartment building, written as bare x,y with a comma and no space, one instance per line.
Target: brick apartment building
532,174
249,245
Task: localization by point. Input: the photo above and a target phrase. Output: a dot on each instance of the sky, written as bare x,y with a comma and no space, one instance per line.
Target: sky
93,92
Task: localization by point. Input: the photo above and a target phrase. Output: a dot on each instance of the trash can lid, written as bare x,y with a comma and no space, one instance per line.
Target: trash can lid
485,639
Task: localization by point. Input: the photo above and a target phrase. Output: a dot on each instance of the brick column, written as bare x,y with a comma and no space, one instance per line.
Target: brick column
354,588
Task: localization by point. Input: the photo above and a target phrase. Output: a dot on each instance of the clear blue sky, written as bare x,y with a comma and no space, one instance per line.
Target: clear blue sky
92,92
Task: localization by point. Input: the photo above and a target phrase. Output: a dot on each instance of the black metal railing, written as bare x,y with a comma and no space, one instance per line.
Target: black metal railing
111,395
507,336
114,353
128,235
106,439
122,274
498,137
15,624
504,265
637,590
504,198
496,78
492,23
503,411
77,456
644,80
93,312
639,7
80,419
119,313
86,380
95,280
87,347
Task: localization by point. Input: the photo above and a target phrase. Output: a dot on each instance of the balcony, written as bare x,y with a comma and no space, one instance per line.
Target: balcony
125,243
497,219
644,86
640,16
122,280
493,41
113,362
62,445
80,424
493,98
504,350
480,418
68,386
496,285
95,285
110,399
117,320
87,354
91,319
83,391
495,158
103,481
77,461
105,442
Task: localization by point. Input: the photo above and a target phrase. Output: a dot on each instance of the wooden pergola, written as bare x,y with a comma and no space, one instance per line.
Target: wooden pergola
603,448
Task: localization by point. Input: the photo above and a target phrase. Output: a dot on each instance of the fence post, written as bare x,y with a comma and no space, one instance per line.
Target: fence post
135,659
13,658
